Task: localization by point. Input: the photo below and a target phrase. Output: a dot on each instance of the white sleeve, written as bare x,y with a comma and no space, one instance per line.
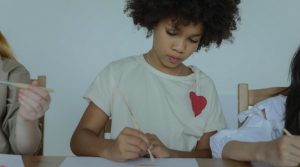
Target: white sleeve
100,91
255,128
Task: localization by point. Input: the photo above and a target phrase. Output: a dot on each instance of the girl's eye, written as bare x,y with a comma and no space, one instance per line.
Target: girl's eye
194,41
171,33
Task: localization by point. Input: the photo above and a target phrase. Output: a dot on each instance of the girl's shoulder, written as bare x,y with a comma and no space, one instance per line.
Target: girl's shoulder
273,108
272,102
201,77
8,65
199,73
121,66
130,60
13,71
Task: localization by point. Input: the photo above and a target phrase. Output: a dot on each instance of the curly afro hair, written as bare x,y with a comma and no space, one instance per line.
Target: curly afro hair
219,17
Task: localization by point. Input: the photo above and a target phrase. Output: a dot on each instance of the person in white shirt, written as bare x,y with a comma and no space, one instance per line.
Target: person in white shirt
176,107
261,137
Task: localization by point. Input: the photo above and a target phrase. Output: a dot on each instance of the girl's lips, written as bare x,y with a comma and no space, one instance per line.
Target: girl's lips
173,59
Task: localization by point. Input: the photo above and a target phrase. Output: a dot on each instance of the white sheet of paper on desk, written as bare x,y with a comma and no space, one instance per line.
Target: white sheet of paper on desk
11,160
142,162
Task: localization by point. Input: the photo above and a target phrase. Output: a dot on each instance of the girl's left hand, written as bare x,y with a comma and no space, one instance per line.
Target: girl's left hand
157,148
34,102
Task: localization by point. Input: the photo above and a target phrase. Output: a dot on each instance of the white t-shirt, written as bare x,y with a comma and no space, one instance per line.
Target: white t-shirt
159,102
263,122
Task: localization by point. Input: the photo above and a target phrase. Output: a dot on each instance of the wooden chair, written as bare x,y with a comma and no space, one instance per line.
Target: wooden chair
249,97
42,82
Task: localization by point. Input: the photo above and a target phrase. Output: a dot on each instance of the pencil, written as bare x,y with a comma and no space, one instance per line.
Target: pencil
133,119
22,85
287,132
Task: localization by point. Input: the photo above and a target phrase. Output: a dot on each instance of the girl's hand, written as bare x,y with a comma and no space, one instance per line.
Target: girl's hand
130,144
284,151
157,148
34,102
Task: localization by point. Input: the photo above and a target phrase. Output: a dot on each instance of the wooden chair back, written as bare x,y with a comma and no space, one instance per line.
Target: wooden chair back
249,97
42,82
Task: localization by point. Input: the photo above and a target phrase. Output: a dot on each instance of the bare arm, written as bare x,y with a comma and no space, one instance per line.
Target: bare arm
130,144
34,102
202,149
284,151
244,151
28,135
85,140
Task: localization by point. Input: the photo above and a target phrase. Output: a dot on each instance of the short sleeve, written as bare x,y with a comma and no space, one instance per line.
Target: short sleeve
215,117
256,127
100,90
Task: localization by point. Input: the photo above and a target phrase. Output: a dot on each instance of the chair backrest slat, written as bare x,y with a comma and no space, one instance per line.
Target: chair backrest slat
249,97
42,82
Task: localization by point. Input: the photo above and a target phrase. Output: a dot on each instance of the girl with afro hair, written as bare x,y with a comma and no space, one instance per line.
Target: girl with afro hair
157,104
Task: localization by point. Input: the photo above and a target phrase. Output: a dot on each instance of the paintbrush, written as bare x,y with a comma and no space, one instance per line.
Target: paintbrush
136,124
287,132
22,85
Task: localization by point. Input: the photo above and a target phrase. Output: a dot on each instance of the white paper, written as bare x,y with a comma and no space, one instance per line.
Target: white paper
142,162
9,160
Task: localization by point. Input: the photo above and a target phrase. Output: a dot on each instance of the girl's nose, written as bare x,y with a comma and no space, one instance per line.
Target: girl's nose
179,46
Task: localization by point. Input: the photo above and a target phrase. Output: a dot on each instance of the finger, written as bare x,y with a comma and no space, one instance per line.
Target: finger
294,154
24,104
293,160
35,87
33,95
31,105
155,151
156,148
131,155
35,83
131,148
35,100
137,133
124,148
26,111
153,140
152,145
150,136
137,142
151,150
295,140
40,92
125,139
135,149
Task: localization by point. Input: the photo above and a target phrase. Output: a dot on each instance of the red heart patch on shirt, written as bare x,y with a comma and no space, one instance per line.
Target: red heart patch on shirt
198,103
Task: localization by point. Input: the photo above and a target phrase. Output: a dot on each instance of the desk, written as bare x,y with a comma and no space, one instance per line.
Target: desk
55,161
42,161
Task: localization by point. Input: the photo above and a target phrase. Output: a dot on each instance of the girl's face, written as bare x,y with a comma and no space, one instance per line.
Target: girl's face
172,45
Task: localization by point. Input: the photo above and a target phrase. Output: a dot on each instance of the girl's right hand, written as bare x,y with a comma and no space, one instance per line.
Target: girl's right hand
284,151
34,102
130,144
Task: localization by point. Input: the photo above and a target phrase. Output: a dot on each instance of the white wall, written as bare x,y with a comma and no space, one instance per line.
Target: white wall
70,41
